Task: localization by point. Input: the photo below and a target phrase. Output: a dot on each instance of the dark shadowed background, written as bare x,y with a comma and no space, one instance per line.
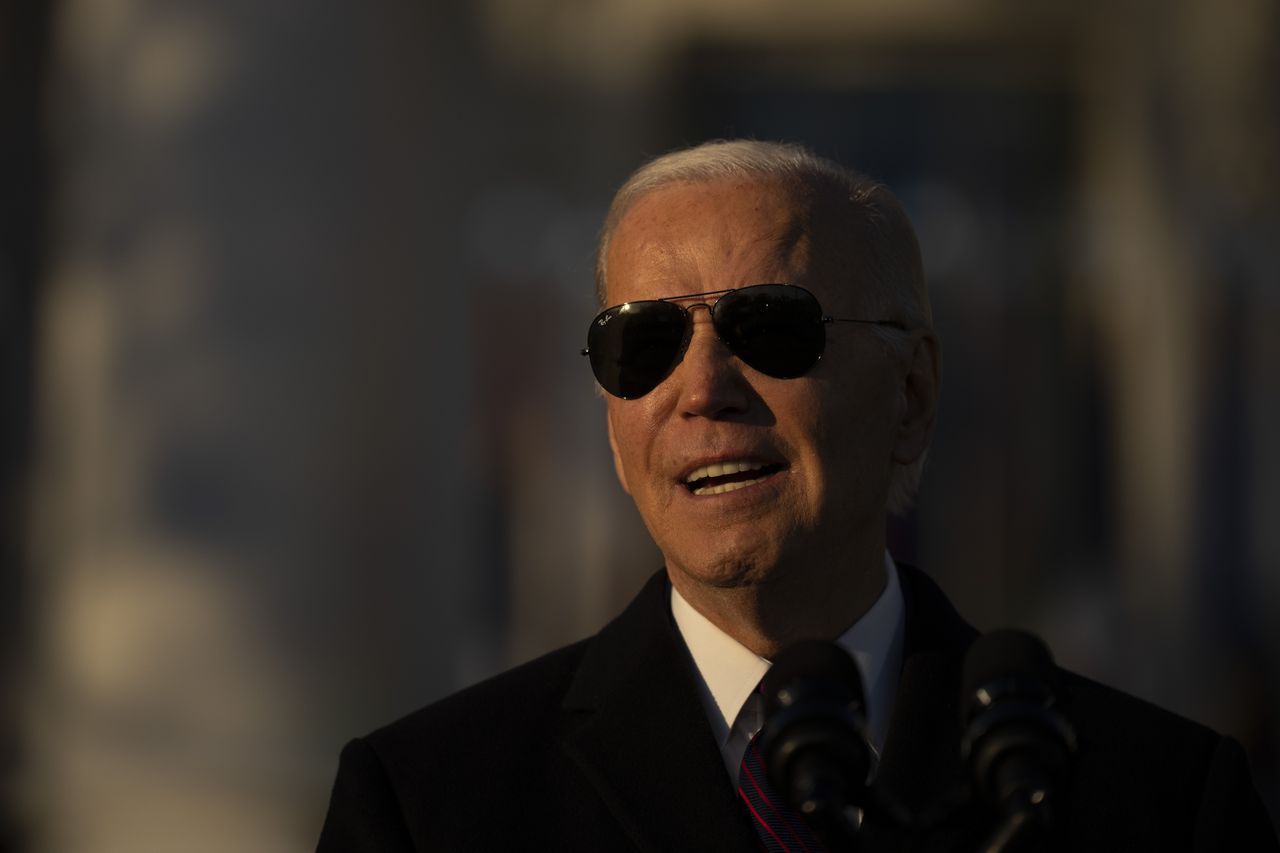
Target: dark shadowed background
296,436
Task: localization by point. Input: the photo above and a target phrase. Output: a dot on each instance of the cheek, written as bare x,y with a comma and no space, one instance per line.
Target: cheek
853,434
634,433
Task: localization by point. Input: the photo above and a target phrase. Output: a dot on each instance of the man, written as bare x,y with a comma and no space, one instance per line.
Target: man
771,377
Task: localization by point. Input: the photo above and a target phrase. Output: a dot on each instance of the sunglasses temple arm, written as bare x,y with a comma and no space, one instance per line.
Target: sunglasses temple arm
892,323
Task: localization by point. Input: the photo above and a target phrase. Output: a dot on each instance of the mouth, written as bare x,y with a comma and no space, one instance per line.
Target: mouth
730,475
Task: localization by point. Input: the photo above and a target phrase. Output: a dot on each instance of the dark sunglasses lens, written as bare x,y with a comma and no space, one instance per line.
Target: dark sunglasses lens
776,329
634,347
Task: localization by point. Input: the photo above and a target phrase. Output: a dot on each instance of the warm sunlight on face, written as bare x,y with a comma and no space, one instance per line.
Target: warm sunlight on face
809,458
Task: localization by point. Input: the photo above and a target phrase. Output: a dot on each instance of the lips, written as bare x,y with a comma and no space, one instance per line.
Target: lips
729,475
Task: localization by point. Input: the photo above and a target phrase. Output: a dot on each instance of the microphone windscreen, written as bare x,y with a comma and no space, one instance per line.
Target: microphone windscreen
1007,657
1017,740
815,668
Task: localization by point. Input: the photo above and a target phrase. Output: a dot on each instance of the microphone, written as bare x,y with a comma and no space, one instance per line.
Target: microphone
813,745
1017,742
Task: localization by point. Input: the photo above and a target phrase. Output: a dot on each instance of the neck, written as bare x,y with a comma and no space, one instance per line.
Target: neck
804,603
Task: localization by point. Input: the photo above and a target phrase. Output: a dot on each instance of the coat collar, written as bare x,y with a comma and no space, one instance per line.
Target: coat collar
665,782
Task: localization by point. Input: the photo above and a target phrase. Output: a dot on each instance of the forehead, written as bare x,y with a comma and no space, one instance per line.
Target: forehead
694,237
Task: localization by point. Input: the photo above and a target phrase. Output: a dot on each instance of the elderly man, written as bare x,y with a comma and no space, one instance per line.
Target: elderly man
771,377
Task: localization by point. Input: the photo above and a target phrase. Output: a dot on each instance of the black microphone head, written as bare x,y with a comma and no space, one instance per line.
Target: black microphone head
813,743
813,670
1017,740
1003,665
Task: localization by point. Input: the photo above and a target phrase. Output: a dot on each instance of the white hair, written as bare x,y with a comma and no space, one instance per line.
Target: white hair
886,240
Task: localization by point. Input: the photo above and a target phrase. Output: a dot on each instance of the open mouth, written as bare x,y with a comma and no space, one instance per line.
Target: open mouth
722,477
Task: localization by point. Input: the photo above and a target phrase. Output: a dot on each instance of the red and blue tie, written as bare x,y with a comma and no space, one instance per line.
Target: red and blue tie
780,827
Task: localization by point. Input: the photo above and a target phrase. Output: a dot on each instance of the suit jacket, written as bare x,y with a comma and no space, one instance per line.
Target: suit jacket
603,745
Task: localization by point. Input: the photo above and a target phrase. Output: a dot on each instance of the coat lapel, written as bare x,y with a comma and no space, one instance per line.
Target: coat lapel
641,737
921,764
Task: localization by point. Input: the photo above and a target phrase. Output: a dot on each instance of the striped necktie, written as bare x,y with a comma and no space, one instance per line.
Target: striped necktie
780,827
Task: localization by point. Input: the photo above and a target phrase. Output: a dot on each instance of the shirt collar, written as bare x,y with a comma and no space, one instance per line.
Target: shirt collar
729,672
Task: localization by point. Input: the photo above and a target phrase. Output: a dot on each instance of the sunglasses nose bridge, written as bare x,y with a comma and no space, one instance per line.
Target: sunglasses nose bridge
708,378
709,320
703,343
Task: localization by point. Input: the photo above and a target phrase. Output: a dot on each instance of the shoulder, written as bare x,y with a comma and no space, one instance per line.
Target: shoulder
394,783
429,780
520,711
1142,772
513,704
519,715
1110,720
1122,739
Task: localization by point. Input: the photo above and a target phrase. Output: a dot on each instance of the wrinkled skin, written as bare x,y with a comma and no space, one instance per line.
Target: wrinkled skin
754,559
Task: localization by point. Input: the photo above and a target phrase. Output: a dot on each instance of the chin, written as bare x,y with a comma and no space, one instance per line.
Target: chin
729,571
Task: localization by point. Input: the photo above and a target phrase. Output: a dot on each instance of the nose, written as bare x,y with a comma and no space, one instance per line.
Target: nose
711,383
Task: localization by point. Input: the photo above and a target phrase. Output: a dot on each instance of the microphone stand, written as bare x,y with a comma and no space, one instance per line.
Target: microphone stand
1028,814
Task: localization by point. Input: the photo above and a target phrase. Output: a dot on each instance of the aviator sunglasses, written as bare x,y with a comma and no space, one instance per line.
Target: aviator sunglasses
777,329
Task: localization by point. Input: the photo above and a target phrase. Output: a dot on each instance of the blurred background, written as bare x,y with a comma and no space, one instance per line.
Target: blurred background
296,437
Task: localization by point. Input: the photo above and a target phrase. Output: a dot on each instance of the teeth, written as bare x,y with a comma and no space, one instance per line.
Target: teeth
727,487
719,469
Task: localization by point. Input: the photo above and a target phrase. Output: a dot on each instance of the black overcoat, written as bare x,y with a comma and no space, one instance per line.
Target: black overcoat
603,745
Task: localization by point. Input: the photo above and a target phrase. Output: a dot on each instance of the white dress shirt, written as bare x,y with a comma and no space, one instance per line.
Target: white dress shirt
728,671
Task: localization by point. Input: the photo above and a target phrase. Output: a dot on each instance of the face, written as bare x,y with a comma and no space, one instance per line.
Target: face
818,450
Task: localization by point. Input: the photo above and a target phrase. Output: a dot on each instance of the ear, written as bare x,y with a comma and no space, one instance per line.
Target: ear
617,457
918,399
